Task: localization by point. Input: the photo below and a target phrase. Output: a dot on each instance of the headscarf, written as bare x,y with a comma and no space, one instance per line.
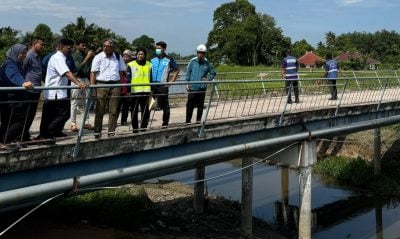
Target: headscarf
141,62
15,50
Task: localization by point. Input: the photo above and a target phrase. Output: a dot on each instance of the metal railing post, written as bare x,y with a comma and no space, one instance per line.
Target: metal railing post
204,117
289,93
355,77
382,94
379,80
88,102
341,97
398,80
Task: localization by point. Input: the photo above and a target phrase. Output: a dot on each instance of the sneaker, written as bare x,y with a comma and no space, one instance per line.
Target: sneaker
74,129
60,134
124,123
164,126
97,135
112,134
89,127
188,123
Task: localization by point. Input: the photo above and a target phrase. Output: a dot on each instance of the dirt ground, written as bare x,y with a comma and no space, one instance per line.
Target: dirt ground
175,219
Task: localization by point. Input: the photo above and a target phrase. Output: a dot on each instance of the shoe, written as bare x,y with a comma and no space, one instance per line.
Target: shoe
89,127
188,123
124,123
112,134
297,101
97,135
135,131
289,101
74,129
164,126
60,134
197,122
332,98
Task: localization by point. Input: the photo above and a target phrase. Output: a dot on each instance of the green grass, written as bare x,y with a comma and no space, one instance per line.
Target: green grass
121,208
359,173
312,80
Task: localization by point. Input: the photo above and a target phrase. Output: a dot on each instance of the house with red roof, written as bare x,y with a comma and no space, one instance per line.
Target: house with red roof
310,60
348,56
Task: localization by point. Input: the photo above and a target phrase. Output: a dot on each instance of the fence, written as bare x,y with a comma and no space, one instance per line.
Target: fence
240,95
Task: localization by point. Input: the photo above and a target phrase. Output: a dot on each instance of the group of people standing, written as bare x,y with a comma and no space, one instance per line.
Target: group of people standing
83,68
289,72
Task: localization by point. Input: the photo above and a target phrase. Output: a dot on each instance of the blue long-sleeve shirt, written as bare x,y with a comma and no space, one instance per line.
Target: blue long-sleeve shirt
11,73
197,71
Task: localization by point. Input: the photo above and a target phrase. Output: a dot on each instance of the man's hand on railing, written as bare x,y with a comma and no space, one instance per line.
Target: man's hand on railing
27,85
82,86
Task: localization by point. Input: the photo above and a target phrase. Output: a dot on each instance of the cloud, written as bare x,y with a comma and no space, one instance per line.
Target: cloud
368,3
181,4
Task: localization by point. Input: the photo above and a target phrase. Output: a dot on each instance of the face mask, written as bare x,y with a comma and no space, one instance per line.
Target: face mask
158,52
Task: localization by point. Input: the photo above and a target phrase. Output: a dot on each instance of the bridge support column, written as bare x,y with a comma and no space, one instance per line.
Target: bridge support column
377,152
198,200
308,158
285,193
378,218
246,228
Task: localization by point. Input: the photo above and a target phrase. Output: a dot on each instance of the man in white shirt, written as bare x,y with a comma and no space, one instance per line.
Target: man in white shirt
107,69
56,107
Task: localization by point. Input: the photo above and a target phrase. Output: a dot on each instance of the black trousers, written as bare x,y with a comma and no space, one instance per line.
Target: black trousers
195,99
140,101
55,114
292,84
4,115
123,108
33,100
161,94
332,88
15,117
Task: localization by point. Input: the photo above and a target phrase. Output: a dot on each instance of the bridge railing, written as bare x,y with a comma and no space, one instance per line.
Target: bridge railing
240,98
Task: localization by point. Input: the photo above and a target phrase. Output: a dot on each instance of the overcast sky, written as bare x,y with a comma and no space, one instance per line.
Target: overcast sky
184,24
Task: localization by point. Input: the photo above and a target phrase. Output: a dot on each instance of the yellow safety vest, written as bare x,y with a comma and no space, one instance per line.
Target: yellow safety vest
140,75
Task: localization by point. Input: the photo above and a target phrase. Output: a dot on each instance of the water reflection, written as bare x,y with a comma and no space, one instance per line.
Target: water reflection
336,212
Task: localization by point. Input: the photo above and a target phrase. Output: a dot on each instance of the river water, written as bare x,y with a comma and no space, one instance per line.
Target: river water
337,212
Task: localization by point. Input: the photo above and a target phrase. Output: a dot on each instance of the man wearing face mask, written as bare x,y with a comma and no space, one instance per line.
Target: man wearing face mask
162,66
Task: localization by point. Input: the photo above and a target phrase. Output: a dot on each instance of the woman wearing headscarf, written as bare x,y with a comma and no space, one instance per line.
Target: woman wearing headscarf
139,72
13,109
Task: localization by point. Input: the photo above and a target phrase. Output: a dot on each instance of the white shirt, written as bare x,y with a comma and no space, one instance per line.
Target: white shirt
55,76
107,68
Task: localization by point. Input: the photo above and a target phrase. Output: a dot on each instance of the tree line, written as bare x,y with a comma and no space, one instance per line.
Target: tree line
240,36
80,29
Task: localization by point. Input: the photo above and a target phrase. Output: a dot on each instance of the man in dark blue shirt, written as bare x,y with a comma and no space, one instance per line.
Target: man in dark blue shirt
331,73
289,68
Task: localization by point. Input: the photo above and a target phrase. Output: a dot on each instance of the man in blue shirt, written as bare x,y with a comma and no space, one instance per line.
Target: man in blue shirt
199,69
34,73
331,73
289,68
162,66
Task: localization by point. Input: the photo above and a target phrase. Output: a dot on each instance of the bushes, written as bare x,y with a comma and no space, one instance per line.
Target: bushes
360,174
357,172
122,208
